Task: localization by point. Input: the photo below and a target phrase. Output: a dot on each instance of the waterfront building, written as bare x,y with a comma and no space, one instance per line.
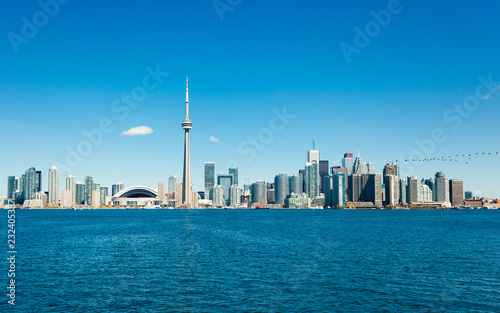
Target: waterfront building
259,193
297,201
226,181
117,188
89,186
209,179
12,186
456,192
366,188
281,188
296,184
53,185
66,198
234,196
335,190
413,189
218,196
161,192
178,194
96,198
425,194
234,171
431,183
312,179
134,196
171,183
442,188
271,196
104,194
196,199
323,172
391,183
402,191
469,195
71,185
80,193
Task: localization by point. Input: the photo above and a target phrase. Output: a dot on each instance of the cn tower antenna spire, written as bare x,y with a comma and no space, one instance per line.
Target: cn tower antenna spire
187,99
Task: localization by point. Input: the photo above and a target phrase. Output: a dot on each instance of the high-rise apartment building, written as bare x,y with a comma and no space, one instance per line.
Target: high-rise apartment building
281,188
171,183
53,185
296,184
209,179
89,187
161,192
312,179
234,171
442,188
456,192
71,185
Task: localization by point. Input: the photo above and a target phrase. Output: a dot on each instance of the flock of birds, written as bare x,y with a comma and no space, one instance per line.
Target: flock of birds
450,158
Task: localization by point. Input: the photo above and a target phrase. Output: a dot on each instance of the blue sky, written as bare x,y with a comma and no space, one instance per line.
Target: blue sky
261,57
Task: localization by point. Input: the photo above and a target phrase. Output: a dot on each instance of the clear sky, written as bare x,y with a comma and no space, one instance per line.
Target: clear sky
378,93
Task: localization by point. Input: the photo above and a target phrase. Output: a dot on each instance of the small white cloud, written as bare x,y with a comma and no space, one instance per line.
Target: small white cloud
213,139
136,131
487,97
477,192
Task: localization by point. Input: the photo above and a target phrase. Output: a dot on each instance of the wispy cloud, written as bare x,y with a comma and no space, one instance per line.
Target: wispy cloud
496,87
477,192
213,139
487,97
136,131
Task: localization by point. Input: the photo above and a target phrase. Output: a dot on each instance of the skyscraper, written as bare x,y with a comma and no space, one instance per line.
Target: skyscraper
171,183
413,189
186,180
335,190
402,190
178,194
226,181
323,172
391,189
348,163
53,185
313,155
468,194
80,193
456,192
209,179
359,166
312,179
161,192
281,188
89,187
104,193
296,184
259,193
218,195
30,183
12,186
442,188
116,188
234,196
234,171
71,185
38,181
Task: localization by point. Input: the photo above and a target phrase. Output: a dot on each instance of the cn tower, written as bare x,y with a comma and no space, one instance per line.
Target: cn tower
186,181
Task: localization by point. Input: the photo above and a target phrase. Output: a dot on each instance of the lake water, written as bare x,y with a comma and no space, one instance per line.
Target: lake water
255,261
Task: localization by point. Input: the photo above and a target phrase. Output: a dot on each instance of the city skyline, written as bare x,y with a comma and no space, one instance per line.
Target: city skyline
386,102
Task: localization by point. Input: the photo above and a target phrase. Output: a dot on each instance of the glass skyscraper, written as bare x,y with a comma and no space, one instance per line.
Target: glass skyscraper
89,187
348,163
234,171
312,179
53,185
209,179
12,186
226,181
281,188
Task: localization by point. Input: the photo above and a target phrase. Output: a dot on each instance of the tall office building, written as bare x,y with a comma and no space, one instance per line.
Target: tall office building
96,198
218,196
296,184
469,195
161,192
234,172
369,168
234,196
442,188
359,166
171,183
226,181
391,189
313,155
71,185
186,180
335,190
209,179
178,194
89,187
97,186
12,186
53,185
323,172
259,193
117,188
341,170
80,193
366,188
425,194
456,192
104,194
281,188
430,182
413,189
303,173
402,191
312,179
30,183
348,163
38,181
395,167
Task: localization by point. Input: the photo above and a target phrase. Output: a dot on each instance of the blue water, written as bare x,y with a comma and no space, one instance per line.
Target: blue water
255,261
